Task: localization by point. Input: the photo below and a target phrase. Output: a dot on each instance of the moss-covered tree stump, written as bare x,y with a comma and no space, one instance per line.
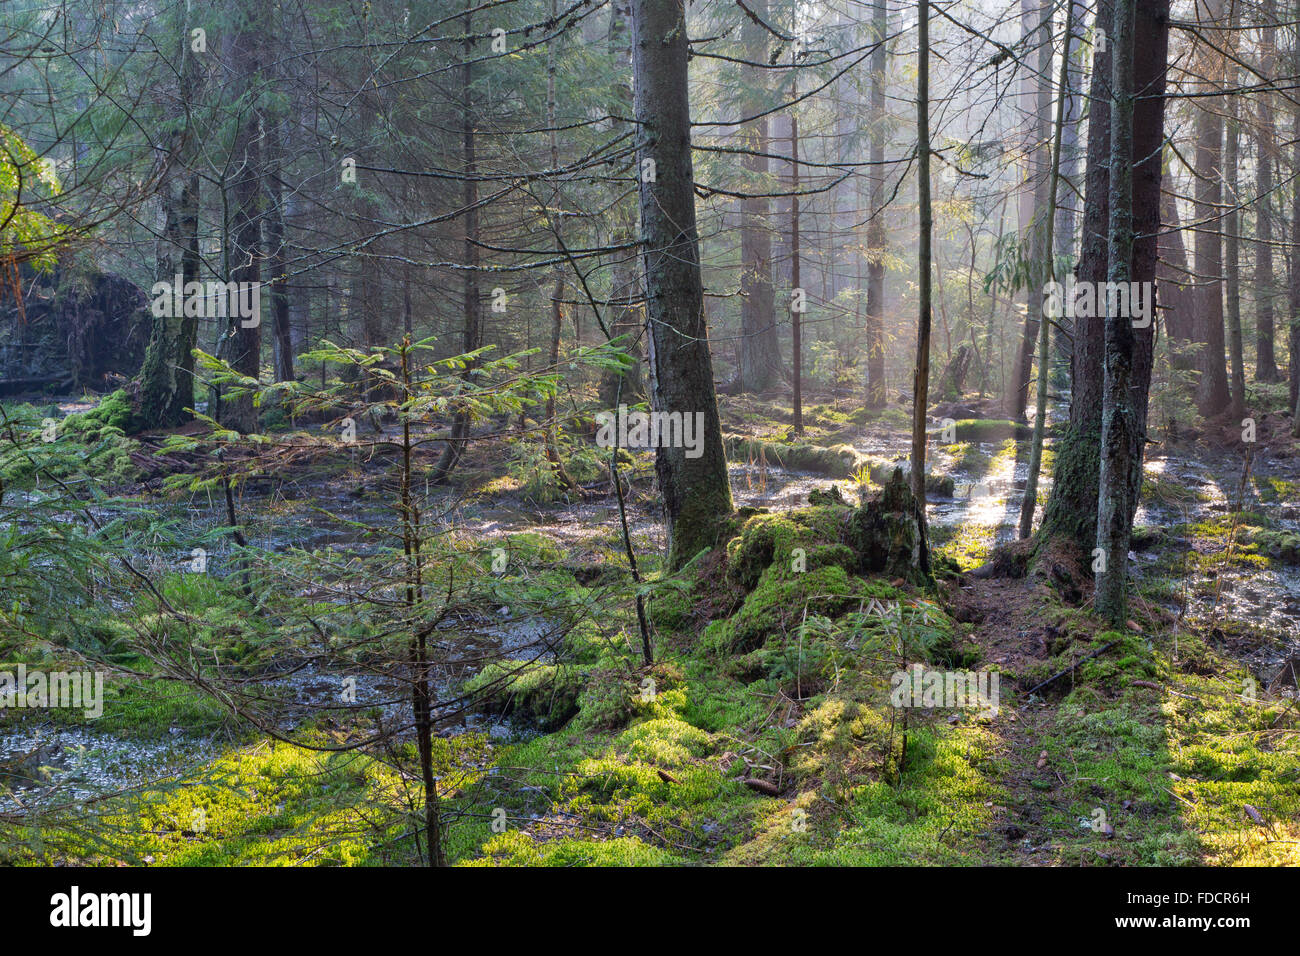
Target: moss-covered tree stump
888,533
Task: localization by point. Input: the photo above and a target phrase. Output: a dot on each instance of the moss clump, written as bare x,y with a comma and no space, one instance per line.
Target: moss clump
545,693
779,602
516,848
990,430
935,484
1281,546
838,461
769,539
669,609
113,411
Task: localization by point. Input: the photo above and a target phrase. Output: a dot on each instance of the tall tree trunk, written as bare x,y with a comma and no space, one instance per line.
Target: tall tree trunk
1293,304
1151,38
1071,512
366,307
877,237
695,490
1266,369
556,202
625,278
1212,395
1137,133
1177,294
1232,257
798,296
243,336
921,375
1071,154
1118,424
760,349
278,251
1030,500
166,382
473,332
1035,99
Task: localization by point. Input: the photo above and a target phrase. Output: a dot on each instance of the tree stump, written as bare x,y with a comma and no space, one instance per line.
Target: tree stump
887,532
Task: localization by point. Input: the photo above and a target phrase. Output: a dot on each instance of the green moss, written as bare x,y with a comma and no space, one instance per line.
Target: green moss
515,848
1281,546
669,609
780,600
545,693
265,805
769,539
839,461
935,484
113,411
990,430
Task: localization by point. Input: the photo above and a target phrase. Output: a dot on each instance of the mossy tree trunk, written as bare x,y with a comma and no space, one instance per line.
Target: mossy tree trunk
242,344
166,382
695,490
1071,511
1150,71
1137,132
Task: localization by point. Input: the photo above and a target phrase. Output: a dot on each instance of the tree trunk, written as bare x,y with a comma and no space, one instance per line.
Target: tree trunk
275,240
473,332
625,279
1035,99
695,490
760,350
1030,500
1212,395
798,298
1137,124
1151,37
1265,353
243,337
1177,295
1071,512
166,380
1232,264
921,376
877,237
1293,330
1118,421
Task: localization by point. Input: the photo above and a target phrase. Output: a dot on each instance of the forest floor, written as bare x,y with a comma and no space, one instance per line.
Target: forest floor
764,731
